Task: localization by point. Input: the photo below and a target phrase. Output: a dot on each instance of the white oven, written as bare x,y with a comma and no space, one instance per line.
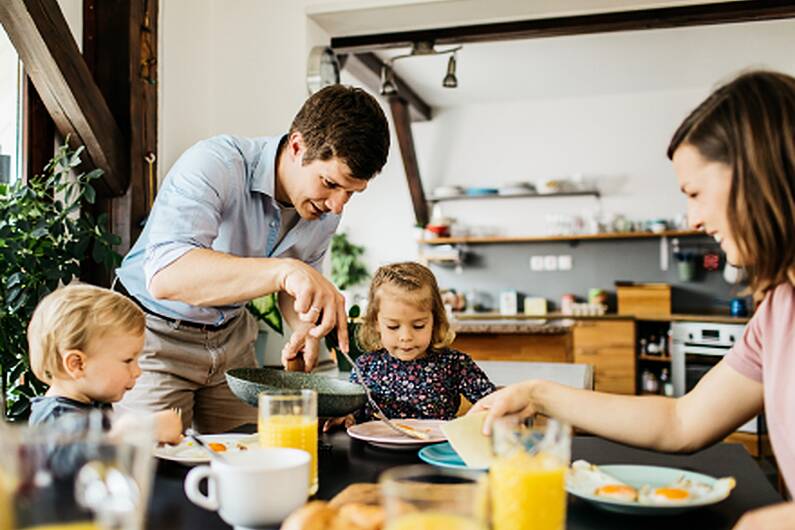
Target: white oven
695,348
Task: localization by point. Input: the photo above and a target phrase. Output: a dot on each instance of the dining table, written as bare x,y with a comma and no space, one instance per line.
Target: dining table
344,461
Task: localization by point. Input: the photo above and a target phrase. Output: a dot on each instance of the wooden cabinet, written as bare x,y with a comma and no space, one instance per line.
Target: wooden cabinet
515,347
608,346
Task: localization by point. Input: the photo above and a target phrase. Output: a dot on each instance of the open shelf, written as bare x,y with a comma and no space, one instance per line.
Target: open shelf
582,193
655,358
574,237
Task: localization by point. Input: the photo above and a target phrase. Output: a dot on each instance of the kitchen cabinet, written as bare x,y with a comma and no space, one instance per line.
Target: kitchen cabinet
608,346
515,346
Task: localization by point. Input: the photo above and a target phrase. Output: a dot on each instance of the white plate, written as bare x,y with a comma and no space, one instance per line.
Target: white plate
654,476
187,452
380,435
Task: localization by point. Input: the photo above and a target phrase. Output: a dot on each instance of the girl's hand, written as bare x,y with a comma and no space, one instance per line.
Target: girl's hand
513,399
333,423
168,426
779,516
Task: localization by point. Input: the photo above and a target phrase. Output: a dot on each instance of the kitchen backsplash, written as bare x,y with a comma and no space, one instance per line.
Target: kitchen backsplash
495,268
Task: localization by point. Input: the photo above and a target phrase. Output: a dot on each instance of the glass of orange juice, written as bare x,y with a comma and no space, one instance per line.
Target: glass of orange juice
289,419
427,498
527,474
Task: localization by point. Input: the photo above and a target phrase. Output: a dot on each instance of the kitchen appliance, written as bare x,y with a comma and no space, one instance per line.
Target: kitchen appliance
698,346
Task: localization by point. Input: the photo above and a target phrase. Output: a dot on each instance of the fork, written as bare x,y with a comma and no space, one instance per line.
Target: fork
378,412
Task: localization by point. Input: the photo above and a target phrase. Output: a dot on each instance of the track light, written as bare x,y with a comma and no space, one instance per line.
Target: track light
450,80
387,86
417,49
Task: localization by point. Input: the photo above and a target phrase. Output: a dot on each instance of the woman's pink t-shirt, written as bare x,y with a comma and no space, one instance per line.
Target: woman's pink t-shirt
766,353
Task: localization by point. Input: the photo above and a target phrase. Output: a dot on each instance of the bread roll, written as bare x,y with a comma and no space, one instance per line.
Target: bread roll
315,515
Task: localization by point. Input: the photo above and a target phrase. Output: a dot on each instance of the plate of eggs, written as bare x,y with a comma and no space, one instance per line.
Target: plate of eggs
645,490
188,453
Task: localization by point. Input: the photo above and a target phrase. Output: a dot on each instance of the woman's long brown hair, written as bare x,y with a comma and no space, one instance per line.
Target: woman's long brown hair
749,124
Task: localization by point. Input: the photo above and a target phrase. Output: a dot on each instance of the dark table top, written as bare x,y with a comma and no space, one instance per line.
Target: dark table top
344,461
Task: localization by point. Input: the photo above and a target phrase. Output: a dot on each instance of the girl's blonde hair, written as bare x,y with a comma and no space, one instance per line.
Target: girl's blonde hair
411,278
70,317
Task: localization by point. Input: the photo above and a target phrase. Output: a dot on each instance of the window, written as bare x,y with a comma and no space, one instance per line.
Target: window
9,110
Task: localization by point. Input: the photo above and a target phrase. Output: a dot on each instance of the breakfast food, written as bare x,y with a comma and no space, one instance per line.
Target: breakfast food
320,515
423,434
466,436
590,479
217,447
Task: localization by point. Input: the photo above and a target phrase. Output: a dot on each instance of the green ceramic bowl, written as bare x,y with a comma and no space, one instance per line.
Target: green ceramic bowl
335,397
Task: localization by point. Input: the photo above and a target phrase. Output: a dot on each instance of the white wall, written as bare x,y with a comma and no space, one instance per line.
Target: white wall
238,67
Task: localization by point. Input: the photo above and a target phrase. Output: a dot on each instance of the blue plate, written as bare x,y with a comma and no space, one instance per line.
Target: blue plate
443,455
477,192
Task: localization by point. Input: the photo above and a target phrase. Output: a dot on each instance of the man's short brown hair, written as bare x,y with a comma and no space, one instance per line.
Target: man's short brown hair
346,123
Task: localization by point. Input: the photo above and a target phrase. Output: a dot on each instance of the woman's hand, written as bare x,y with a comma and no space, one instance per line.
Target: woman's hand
776,517
344,421
168,426
513,399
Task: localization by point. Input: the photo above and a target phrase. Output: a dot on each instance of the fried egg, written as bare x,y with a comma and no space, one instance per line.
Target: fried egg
685,491
588,478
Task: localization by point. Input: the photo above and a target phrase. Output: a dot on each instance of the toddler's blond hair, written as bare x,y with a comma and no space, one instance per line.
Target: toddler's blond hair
70,317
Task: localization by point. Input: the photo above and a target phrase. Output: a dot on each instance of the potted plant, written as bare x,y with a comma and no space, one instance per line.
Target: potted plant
44,238
347,271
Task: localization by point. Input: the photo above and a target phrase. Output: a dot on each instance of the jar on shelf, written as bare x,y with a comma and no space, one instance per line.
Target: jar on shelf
649,382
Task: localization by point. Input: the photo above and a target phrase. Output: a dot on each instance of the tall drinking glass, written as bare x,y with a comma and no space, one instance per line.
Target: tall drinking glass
527,475
289,419
427,498
81,472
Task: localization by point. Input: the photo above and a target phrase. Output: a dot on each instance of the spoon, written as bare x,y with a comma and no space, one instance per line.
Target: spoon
378,412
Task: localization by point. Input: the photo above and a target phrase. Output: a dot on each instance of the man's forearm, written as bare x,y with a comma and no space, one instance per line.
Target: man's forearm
204,277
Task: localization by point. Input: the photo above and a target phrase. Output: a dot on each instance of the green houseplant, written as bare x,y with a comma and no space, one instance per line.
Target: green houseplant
44,238
347,270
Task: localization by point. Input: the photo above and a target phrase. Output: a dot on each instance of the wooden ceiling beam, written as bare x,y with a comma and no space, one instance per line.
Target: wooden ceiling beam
42,38
402,123
640,19
366,67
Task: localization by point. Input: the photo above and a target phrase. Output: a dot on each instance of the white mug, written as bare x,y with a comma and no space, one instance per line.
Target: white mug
254,488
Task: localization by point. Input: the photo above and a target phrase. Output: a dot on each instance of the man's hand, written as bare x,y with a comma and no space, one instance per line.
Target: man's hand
776,517
316,299
301,344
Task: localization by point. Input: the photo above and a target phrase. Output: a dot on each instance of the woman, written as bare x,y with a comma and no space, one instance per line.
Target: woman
734,156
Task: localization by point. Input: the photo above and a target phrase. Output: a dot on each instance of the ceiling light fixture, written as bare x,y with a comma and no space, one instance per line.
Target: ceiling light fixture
417,49
450,80
387,84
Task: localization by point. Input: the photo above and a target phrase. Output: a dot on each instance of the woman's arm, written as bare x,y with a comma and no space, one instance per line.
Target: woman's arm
723,400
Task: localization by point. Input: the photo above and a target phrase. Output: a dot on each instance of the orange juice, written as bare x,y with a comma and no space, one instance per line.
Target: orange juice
528,491
6,502
82,525
297,432
434,521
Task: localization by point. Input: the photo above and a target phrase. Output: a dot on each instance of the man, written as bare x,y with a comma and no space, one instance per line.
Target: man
235,219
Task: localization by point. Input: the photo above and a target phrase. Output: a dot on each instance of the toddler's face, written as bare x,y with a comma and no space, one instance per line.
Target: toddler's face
405,328
111,366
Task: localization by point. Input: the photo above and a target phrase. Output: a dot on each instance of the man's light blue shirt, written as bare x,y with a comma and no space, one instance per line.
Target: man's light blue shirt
219,195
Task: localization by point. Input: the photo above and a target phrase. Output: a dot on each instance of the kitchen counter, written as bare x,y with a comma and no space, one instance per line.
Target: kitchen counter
511,326
560,317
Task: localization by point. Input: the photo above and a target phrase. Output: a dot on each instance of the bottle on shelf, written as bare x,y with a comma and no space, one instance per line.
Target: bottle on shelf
653,346
666,383
649,382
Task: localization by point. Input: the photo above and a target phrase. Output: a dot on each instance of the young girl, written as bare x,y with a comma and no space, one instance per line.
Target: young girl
735,159
411,370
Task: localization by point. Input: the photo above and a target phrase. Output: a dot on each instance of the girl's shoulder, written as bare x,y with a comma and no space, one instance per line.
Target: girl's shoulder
451,354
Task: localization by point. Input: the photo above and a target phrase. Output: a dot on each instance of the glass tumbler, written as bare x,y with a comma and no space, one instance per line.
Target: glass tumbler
427,498
527,475
289,419
82,472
